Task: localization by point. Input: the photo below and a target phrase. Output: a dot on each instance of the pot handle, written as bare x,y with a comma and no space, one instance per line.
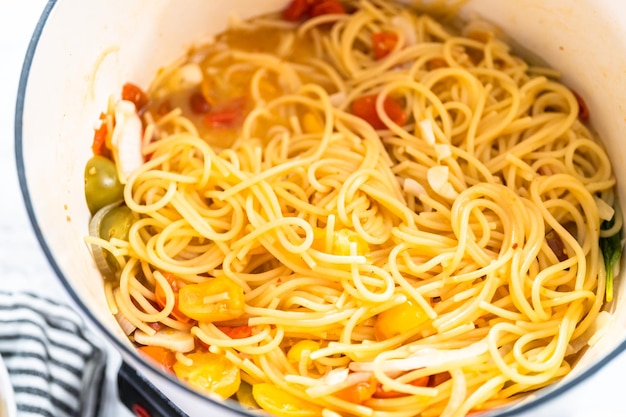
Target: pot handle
141,397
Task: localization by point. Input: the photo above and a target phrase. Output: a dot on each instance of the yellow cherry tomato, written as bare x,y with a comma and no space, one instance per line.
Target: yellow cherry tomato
245,398
359,392
209,372
301,349
400,319
216,299
283,404
311,123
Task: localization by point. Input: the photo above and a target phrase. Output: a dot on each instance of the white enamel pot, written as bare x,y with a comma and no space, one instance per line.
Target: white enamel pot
82,51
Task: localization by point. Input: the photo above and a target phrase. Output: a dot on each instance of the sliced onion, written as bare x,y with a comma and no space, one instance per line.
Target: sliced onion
175,340
125,324
341,380
426,357
336,376
126,140
97,251
605,210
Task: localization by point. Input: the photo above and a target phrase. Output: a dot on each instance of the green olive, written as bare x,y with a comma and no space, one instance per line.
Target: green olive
116,224
102,185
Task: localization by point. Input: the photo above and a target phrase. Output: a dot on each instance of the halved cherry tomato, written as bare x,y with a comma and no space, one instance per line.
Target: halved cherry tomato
360,392
383,43
210,372
283,404
301,350
380,393
163,357
238,332
98,147
583,110
227,115
222,119
132,92
303,9
296,10
365,108
176,285
399,320
198,103
327,7
216,299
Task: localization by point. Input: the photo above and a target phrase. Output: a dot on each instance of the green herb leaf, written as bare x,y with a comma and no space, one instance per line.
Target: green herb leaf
611,252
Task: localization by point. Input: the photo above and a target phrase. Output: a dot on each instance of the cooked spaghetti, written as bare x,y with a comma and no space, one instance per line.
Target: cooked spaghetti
352,209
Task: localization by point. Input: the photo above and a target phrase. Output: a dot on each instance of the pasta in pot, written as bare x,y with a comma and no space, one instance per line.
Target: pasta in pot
351,208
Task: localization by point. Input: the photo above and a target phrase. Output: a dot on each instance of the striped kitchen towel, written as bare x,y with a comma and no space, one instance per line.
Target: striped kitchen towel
55,364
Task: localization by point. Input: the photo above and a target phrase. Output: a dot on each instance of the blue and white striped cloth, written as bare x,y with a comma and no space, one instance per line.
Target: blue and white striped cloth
55,364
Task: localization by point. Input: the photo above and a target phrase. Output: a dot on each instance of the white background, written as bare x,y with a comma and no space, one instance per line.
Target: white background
24,267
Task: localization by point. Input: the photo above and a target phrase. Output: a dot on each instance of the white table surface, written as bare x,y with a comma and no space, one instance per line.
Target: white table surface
24,267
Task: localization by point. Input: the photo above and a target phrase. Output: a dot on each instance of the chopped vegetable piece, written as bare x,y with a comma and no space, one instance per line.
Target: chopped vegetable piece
210,373
223,119
365,108
102,186
99,146
381,393
133,93
226,115
383,43
556,244
216,299
301,350
238,332
296,10
311,123
174,340
109,271
431,357
359,392
399,320
611,252
164,358
583,110
245,398
322,7
283,404
198,103
176,284
126,140
439,378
